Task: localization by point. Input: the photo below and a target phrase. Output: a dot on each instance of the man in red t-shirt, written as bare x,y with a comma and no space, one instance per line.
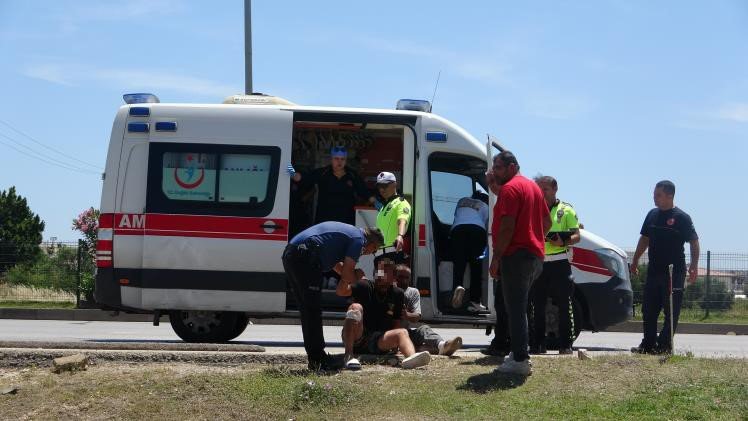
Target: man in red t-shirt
520,222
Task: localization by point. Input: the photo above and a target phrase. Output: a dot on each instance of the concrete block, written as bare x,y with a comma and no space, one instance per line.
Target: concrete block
70,363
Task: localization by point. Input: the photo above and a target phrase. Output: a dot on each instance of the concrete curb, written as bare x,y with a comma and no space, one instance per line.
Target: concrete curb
688,328
108,316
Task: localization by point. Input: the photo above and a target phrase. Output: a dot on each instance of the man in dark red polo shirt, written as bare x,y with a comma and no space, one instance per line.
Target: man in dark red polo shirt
520,222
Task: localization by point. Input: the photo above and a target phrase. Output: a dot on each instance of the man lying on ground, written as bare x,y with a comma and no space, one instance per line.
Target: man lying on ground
372,323
423,336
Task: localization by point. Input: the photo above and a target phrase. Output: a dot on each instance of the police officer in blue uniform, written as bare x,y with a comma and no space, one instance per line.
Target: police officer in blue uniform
665,231
314,251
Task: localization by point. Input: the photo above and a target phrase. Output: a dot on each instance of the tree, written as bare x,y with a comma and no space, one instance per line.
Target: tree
87,223
20,231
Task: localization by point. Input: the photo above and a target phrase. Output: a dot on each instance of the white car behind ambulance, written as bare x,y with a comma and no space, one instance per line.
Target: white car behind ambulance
197,208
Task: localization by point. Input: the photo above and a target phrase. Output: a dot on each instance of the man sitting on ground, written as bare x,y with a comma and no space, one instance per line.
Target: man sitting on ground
423,336
372,323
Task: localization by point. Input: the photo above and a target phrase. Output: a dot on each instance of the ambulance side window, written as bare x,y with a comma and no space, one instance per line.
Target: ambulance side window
244,178
189,176
212,179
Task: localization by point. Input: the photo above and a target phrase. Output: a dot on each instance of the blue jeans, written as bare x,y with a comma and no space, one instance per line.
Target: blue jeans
518,272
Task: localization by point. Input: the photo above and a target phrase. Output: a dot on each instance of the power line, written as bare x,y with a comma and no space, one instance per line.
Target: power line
49,147
46,158
47,161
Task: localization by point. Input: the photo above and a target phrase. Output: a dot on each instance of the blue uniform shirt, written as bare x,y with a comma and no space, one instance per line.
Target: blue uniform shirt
336,241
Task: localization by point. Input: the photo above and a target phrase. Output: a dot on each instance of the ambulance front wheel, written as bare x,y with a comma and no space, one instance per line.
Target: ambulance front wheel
206,326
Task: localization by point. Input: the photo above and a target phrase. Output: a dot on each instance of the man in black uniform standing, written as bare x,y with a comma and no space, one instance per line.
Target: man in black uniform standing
318,249
340,188
665,230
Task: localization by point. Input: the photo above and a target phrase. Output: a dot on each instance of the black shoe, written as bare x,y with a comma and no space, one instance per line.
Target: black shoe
662,349
644,350
494,351
537,350
326,363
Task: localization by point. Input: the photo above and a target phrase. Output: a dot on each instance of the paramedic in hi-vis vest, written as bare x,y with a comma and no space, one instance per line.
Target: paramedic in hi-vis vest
556,280
392,219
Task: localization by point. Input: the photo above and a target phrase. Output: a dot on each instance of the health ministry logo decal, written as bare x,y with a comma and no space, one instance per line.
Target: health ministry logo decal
190,172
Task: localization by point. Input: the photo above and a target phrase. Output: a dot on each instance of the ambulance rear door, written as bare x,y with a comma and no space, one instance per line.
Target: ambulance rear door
216,213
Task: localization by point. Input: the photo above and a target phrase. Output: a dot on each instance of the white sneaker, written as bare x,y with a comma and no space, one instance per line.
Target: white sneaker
353,364
451,346
457,297
419,359
523,368
476,307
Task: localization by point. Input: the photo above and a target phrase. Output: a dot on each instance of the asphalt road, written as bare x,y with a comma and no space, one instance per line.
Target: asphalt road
287,338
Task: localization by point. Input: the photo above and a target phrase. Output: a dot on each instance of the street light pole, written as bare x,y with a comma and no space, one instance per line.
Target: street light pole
248,47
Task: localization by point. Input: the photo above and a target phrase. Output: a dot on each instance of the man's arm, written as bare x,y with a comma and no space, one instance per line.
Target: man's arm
547,223
411,317
693,268
402,228
506,231
347,277
641,247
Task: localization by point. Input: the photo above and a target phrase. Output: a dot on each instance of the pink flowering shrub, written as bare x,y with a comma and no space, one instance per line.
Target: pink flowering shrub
87,223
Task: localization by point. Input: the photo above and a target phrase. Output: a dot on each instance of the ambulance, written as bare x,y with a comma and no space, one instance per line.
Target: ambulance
197,208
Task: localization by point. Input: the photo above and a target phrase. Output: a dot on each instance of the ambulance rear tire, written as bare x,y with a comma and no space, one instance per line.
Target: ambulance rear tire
242,321
204,326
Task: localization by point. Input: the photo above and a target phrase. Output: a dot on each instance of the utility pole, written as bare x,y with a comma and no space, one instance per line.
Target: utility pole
248,47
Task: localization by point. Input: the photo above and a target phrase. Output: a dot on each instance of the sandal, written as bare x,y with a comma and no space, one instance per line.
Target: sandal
353,365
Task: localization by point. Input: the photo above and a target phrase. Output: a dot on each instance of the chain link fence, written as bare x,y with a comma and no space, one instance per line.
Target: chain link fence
719,293
46,274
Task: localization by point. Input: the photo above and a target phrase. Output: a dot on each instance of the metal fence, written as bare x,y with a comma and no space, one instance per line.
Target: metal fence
46,273
63,272
719,293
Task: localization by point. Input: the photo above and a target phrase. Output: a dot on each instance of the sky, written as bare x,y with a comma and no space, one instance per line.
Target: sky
607,96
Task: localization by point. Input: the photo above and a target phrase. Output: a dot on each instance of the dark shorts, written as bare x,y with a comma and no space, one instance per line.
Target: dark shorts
367,344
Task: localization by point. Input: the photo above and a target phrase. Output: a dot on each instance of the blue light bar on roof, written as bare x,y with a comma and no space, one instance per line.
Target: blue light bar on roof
414,105
140,98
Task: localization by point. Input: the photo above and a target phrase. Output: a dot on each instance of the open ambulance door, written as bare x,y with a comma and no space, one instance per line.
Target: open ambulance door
492,148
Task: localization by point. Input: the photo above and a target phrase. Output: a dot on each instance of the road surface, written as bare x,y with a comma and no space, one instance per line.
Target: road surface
287,338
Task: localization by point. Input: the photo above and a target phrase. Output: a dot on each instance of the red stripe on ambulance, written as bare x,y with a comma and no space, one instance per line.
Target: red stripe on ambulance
201,226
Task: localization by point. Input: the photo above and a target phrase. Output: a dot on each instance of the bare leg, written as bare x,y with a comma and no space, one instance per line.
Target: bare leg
352,328
397,338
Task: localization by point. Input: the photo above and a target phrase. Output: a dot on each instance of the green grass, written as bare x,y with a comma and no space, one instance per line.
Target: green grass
37,304
614,387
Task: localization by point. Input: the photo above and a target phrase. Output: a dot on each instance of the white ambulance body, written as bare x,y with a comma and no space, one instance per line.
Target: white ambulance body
197,209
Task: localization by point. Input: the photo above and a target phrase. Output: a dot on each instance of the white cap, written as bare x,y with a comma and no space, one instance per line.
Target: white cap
385,177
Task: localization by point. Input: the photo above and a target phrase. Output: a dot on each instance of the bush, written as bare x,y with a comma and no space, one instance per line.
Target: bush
719,298
55,270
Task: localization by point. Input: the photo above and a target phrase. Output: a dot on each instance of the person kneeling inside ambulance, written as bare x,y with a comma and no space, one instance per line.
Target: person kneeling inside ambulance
372,323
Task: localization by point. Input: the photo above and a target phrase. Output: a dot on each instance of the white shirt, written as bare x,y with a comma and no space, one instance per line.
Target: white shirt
471,211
